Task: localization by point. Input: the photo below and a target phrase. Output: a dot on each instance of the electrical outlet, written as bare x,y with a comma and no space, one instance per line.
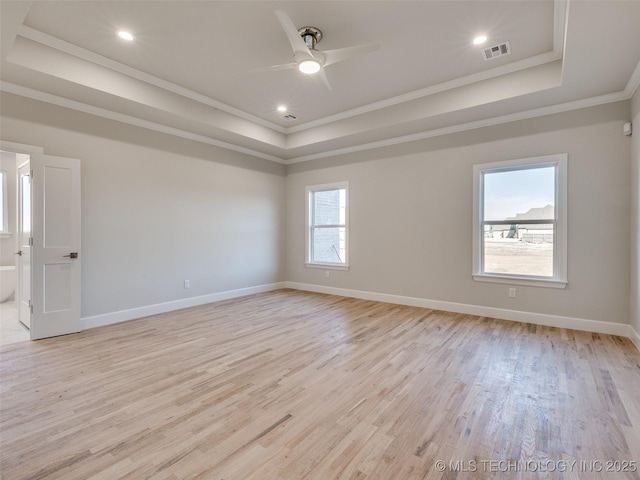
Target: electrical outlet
327,273
512,292
187,284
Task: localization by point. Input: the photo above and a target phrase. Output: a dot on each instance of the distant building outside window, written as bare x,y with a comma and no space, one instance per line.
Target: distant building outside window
327,225
520,221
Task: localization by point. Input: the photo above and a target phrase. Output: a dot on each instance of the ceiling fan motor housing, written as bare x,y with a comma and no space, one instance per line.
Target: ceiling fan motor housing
311,36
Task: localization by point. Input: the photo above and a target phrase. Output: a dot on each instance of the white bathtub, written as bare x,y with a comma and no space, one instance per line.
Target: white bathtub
7,282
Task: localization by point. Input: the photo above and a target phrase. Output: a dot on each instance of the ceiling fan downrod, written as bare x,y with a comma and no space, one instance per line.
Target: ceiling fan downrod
311,36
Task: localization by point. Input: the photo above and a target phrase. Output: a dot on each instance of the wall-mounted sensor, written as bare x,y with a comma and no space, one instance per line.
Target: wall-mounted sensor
626,129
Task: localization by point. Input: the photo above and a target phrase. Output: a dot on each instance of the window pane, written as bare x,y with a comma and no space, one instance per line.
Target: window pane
519,249
26,208
520,194
329,245
329,207
3,206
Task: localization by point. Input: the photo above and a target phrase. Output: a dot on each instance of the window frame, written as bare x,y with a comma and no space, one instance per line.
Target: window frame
310,192
4,221
559,278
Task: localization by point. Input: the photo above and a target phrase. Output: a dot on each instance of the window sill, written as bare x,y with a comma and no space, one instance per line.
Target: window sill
5,234
526,281
327,266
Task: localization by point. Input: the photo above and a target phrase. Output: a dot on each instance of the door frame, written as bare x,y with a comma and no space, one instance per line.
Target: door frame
23,247
19,148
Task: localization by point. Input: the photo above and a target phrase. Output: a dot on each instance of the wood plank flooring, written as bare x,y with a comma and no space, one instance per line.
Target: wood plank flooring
294,385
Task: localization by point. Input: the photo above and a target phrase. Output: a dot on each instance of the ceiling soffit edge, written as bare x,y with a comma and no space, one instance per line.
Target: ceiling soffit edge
559,30
559,42
31,56
634,82
130,120
524,115
462,127
70,68
432,90
76,51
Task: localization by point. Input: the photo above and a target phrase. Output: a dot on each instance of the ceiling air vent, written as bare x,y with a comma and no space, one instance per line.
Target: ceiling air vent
496,51
289,117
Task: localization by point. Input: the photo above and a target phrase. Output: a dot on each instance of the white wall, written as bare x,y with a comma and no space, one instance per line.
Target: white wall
635,218
8,245
410,215
157,210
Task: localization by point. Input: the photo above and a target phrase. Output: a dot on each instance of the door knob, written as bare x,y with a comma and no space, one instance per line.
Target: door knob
19,252
72,255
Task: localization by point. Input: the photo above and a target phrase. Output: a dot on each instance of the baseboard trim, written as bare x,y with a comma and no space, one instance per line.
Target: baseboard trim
139,312
572,323
634,337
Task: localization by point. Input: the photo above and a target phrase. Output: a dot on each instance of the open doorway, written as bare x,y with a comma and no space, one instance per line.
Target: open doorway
43,248
11,329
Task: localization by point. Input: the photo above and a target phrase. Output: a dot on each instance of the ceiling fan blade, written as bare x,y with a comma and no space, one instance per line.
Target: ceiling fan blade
284,66
296,41
323,77
341,54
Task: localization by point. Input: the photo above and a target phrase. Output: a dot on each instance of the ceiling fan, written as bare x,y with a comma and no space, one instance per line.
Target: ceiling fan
309,60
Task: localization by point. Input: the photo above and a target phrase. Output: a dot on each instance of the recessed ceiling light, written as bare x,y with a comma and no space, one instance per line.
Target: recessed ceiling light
480,39
282,108
124,35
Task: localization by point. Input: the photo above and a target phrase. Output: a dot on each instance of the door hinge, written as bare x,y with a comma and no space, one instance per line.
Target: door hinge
30,307
31,241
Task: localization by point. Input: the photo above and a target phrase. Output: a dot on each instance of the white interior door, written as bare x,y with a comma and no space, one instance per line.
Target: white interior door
23,263
55,249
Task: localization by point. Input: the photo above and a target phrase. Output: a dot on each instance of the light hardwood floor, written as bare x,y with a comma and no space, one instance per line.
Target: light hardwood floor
294,385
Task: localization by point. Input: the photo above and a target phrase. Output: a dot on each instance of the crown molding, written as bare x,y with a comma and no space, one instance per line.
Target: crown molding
634,82
128,119
431,90
560,16
559,40
20,148
488,122
559,30
76,51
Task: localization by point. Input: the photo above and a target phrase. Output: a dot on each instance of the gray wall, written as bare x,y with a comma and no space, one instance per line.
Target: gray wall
635,216
157,210
410,215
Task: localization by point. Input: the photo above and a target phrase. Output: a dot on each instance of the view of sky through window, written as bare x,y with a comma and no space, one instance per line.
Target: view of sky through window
517,191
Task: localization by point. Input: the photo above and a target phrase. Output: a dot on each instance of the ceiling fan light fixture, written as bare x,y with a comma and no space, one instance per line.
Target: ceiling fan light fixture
309,66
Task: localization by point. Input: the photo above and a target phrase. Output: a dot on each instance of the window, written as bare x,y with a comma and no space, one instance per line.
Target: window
327,225
520,221
4,208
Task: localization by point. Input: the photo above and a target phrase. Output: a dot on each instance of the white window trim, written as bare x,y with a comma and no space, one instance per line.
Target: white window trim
322,188
4,227
559,279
